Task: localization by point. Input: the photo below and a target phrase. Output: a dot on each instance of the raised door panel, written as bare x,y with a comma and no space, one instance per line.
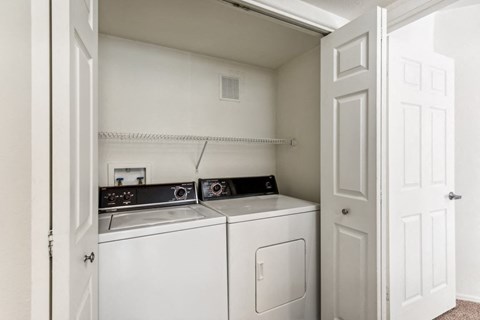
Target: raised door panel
350,274
85,310
351,145
412,257
439,265
89,6
82,135
351,57
438,81
412,73
411,143
438,146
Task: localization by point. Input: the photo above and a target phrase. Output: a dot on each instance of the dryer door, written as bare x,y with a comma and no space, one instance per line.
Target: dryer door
280,274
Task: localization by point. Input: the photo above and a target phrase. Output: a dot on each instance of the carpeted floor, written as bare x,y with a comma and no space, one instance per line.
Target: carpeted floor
465,310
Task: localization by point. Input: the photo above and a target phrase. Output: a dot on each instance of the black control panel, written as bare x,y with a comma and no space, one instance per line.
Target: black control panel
146,196
225,188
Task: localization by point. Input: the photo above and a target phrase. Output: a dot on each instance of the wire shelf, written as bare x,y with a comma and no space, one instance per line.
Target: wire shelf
155,137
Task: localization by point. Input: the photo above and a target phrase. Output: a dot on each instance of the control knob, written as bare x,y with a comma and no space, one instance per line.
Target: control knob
180,193
216,189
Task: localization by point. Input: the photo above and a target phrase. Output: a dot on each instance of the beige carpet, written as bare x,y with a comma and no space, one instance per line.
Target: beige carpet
465,310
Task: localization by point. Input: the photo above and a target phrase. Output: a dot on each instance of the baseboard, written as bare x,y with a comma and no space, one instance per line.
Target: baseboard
467,297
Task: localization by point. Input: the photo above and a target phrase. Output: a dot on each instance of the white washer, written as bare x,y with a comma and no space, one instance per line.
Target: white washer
273,249
161,263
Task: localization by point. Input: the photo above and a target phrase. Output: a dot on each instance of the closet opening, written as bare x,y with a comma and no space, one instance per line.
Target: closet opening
192,91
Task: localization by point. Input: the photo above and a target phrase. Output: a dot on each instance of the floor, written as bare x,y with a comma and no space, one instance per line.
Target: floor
465,310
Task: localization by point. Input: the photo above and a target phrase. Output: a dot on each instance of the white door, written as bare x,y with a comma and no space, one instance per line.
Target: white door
421,176
352,67
74,156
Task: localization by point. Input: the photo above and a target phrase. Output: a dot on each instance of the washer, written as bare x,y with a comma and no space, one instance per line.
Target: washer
273,248
161,255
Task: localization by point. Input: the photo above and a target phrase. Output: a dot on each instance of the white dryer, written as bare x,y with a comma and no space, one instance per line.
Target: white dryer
273,248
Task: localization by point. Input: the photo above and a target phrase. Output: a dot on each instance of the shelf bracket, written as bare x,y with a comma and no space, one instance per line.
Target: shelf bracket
201,156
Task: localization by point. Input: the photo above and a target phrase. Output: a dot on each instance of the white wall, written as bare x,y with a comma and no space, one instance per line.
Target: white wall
15,160
154,89
298,116
457,35
419,34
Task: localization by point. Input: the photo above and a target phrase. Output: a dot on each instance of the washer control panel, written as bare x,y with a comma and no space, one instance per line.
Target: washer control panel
180,193
144,196
120,197
225,188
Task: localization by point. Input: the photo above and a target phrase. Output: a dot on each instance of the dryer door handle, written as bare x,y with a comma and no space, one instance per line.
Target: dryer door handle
260,271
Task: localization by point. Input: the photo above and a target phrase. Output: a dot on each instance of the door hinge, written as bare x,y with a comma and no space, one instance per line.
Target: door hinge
388,294
50,243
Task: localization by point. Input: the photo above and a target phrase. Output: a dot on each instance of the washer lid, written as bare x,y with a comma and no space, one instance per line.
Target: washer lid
153,217
260,207
139,223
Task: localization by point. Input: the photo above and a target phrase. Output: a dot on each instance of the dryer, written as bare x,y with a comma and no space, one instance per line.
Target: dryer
273,248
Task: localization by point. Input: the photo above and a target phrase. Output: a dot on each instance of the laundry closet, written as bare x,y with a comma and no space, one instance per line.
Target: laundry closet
201,91
172,73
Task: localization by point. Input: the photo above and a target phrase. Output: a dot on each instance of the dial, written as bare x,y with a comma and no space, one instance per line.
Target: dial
111,197
180,193
216,189
127,196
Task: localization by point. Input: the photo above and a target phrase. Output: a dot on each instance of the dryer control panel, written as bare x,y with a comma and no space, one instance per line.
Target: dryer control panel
227,188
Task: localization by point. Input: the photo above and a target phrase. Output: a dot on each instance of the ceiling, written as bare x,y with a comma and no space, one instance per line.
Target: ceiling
207,27
462,3
349,9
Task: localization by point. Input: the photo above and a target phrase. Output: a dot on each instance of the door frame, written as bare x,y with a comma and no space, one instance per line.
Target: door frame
400,13
41,159
403,12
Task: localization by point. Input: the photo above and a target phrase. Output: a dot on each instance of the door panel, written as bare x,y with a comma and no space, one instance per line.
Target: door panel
351,112
351,57
412,253
351,275
351,149
439,254
420,152
438,143
81,135
412,156
74,155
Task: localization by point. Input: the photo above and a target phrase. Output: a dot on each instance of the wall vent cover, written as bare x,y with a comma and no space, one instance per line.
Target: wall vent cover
229,88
